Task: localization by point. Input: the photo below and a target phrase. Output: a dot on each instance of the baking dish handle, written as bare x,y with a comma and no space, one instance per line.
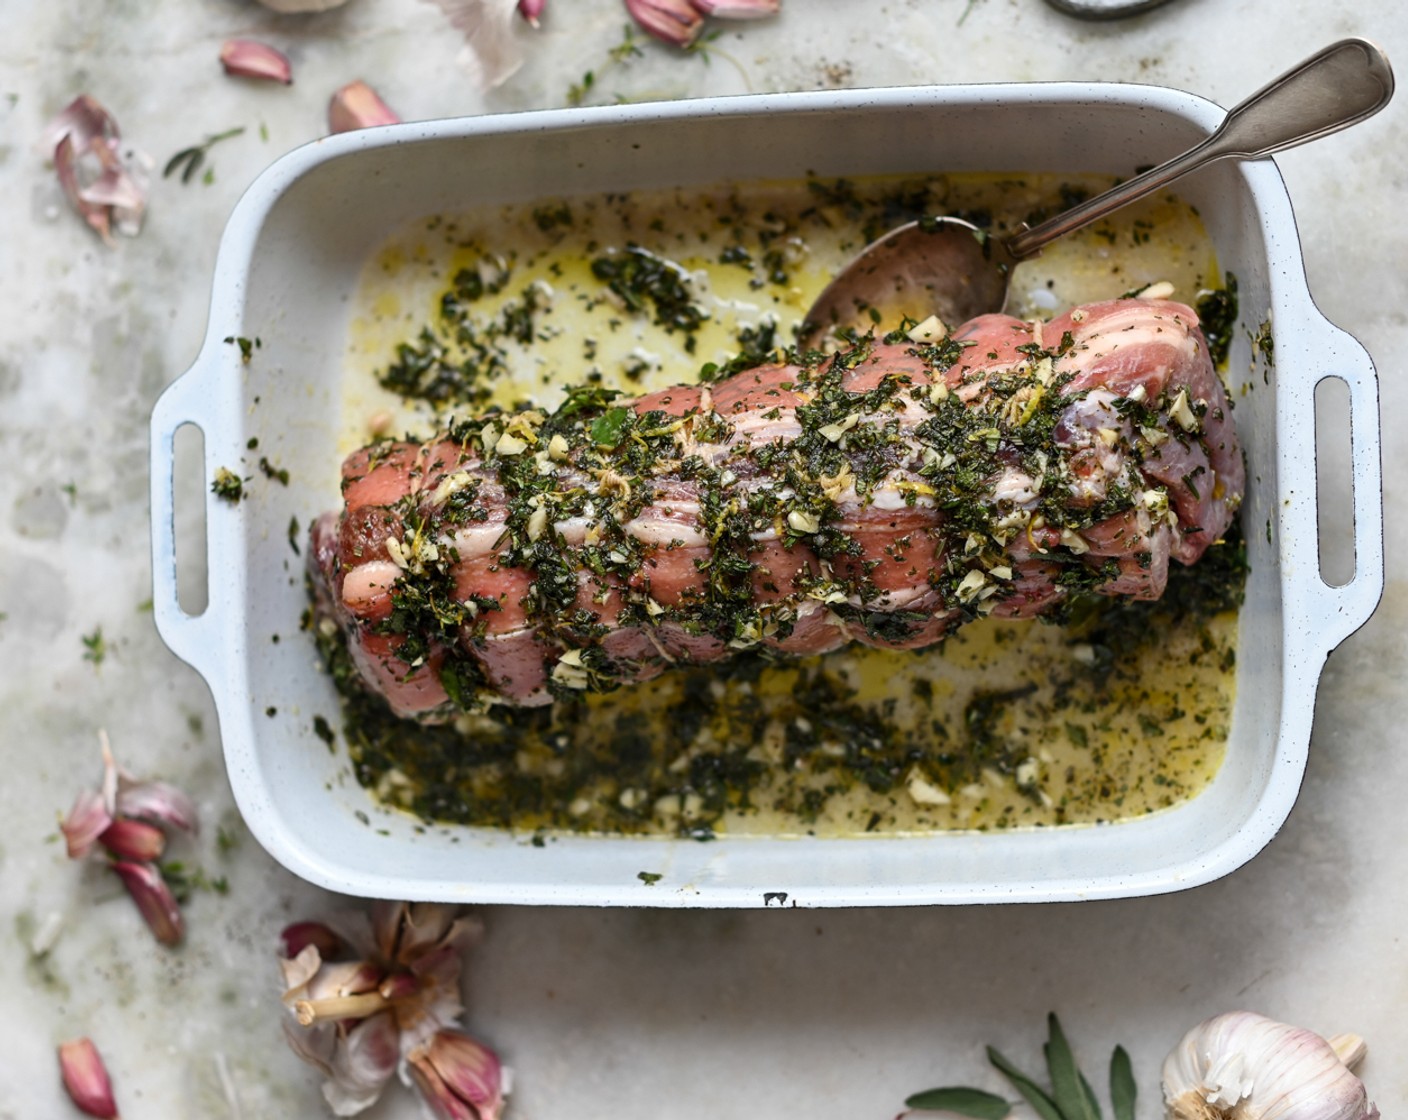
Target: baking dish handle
1320,614
195,638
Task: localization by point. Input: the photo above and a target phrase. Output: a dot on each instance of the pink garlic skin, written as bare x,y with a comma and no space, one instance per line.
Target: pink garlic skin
89,818
100,183
86,1079
532,10
248,58
356,105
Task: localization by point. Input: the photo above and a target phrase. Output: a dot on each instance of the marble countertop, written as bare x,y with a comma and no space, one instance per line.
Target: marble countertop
624,1012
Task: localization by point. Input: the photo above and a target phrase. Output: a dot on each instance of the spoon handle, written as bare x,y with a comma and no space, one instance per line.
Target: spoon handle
1339,86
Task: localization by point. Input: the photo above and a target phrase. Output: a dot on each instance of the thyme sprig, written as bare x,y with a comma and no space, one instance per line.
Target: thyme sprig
190,160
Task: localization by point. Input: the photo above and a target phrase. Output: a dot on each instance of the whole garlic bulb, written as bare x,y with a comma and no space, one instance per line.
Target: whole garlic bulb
1244,1066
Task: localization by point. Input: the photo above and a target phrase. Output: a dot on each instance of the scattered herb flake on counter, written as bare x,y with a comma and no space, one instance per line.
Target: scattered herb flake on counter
95,647
227,485
273,473
247,348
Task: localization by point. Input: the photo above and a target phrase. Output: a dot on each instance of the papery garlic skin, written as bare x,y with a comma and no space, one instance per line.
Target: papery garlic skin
1244,1066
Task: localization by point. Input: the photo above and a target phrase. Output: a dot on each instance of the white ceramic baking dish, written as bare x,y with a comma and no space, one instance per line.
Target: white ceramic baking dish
287,267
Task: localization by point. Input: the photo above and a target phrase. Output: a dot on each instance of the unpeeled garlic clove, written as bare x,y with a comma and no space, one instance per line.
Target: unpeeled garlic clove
738,9
134,840
532,10
248,58
302,934
460,1078
1244,1065
86,1078
356,105
153,898
676,22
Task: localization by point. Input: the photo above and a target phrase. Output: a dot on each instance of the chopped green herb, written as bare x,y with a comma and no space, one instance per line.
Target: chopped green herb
227,485
95,647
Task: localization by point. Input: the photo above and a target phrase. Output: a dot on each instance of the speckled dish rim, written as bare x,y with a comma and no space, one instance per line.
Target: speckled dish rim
302,804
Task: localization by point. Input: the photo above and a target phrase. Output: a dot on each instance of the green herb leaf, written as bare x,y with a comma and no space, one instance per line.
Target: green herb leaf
1071,1095
1122,1087
1031,1092
609,428
649,878
976,1103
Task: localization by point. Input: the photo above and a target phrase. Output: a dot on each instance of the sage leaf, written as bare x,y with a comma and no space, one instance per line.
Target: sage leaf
977,1103
1068,1090
1031,1092
1122,1088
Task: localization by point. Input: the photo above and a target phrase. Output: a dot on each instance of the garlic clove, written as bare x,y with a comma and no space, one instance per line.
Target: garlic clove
459,1077
738,9
86,1078
532,11
154,899
134,840
356,105
248,58
1244,1065
363,1064
297,937
676,22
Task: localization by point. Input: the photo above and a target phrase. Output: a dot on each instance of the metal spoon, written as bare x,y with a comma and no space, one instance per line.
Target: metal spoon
950,268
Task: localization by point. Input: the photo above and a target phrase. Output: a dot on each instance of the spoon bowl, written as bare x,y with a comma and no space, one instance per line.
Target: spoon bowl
950,268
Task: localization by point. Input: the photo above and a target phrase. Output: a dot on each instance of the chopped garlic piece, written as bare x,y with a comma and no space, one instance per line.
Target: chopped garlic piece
834,432
931,329
924,793
1074,541
451,484
1159,290
1182,412
802,522
972,583
509,444
558,448
570,672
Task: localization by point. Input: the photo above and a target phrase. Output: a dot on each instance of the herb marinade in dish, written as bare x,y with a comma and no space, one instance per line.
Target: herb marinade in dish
523,323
